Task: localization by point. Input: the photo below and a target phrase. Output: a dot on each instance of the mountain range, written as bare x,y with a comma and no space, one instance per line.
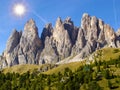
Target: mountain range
62,43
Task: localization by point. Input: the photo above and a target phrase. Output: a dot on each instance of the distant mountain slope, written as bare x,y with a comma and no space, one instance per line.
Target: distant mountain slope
59,42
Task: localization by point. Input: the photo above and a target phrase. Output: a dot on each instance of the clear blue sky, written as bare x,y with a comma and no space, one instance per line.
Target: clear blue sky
49,10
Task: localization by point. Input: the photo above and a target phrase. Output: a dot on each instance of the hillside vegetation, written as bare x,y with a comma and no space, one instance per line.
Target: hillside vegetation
98,75
28,67
107,54
102,74
110,53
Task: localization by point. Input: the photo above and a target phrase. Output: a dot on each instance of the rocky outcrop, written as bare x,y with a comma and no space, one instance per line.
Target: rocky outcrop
59,42
13,41
118,32
118,38
12,47
29,44
47,31
58,45
23,48
49,53
92,35
61,39
3,62
80,43
96,29
71,29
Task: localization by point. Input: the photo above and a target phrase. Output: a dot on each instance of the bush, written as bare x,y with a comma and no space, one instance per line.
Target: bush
116,51
94,86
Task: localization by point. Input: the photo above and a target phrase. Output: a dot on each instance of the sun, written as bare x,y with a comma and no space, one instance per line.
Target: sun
19,9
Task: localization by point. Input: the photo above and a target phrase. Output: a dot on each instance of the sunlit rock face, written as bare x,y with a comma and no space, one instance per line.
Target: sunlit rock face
92,35
23,48
118,38
12,48
57,45
30,43
58,42
96,29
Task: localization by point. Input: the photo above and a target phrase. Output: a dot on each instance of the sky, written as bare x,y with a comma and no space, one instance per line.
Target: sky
45,11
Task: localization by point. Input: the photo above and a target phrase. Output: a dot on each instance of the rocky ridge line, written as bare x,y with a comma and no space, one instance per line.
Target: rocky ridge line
59,42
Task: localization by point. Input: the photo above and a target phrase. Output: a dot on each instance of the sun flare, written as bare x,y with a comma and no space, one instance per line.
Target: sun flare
19,9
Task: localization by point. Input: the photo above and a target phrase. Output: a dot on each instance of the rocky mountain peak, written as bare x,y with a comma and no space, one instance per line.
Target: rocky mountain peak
30,35
118,32
13,41
68,21
59,42
23,48
30,30
85,21
48,26
30,22
47,31
30,26
58,22
85,15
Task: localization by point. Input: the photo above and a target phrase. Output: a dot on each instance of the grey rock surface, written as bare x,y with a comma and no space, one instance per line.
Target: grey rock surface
93,34
118,38
30,43
22,48
64,41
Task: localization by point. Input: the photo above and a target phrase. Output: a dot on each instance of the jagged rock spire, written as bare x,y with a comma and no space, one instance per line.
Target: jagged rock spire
47,31
58,22
58,42
13,41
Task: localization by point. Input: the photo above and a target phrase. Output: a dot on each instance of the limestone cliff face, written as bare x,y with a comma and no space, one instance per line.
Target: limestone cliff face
118,38
22,48
29,44
58,42
92,35
12,47
58,45
47,31
96,29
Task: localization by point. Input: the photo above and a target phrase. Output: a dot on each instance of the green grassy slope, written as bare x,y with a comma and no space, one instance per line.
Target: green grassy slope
21,68
108,53
73,66
109,56
112,53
